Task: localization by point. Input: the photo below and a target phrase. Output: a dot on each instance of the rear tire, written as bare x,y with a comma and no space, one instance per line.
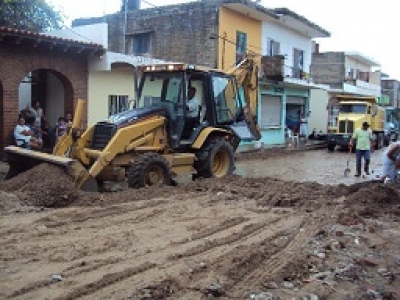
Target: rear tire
379,141
331,147
215,159
386,141
150,169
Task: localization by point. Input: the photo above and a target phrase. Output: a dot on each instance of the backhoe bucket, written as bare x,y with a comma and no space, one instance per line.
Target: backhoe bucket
21,160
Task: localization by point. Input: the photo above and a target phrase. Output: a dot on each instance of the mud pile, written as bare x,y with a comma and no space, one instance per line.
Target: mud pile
267,191
45,185
49,186
374,200
262,154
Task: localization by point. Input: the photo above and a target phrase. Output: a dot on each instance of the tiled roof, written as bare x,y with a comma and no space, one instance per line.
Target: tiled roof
40,37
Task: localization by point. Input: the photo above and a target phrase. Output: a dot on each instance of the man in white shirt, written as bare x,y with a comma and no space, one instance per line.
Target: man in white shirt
192,112
24,136
193,104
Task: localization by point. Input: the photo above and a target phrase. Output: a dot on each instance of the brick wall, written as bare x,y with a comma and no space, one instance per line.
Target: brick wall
328,68
178,32
16,60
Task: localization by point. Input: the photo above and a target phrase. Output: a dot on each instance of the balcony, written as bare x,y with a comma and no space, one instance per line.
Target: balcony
272,67
362,88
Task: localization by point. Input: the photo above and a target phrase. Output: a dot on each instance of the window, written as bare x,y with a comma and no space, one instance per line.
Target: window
351,73
298,63
271,108
117,104
273,47
353,108
241,45
141,43
226,98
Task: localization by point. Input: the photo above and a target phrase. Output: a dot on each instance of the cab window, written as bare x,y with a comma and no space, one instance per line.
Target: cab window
226,99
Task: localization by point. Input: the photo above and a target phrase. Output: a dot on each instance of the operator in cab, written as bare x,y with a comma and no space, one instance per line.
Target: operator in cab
192,112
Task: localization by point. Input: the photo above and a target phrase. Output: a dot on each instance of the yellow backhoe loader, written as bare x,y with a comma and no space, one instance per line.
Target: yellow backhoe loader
150,144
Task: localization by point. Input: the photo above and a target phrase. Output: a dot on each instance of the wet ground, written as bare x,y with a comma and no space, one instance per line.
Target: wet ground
314,165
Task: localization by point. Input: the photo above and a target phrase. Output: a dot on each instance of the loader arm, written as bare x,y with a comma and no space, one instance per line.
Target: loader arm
68,140
125,140
246,74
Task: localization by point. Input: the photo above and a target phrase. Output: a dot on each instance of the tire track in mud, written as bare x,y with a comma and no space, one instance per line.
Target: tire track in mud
97,214
246,232
52,222
89,288
276,260
105,281
212,230
85,267
33,286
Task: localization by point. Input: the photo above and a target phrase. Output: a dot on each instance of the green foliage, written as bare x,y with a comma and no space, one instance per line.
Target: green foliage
34,15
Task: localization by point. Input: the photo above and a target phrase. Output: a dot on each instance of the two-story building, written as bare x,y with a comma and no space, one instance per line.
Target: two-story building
348,73
111,77
286,83
391,87
216,33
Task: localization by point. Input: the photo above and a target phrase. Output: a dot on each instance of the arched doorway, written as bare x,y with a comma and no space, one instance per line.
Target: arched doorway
52,91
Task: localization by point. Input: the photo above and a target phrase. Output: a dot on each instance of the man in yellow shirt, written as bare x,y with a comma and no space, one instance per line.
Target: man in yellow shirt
364,145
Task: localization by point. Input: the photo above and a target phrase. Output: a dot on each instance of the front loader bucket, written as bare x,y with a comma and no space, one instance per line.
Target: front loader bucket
21,160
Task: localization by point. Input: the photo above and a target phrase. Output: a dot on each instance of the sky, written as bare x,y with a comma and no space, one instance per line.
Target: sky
369,27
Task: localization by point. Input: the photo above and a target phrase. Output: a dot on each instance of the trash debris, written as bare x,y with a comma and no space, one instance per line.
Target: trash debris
263,296
288,285
306,297
270,285
215,290
57,277
374,294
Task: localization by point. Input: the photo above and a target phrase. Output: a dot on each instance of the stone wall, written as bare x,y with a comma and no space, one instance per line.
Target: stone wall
328,68
177,33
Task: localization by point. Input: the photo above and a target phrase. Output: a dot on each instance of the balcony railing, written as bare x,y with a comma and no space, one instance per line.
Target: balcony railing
274,68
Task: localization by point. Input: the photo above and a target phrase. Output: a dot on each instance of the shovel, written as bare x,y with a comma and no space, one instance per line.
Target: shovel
347,170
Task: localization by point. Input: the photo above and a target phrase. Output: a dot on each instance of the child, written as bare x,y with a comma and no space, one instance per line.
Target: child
61,128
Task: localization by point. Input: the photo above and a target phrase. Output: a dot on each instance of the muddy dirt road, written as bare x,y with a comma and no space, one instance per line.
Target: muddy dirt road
233,238
317,165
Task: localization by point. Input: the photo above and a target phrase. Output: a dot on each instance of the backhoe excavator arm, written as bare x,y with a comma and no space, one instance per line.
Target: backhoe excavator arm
246,74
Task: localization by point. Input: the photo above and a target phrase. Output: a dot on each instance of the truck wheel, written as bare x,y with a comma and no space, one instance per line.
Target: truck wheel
150,169
378,141
386,141
331,147
215,159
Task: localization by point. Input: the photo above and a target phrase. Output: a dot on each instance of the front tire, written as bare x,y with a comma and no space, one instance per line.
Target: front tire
150,169
215,159
379,141
331,147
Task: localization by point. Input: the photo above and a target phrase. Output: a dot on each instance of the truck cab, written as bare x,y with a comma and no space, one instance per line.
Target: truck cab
352,112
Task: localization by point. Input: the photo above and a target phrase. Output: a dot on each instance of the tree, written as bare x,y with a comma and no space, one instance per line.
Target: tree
34,15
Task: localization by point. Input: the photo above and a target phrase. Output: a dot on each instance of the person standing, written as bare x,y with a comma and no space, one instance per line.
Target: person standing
364,146
391,162
303,125
37,112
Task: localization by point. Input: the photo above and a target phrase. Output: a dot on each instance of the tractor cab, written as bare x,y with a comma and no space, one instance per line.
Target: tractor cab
218,96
